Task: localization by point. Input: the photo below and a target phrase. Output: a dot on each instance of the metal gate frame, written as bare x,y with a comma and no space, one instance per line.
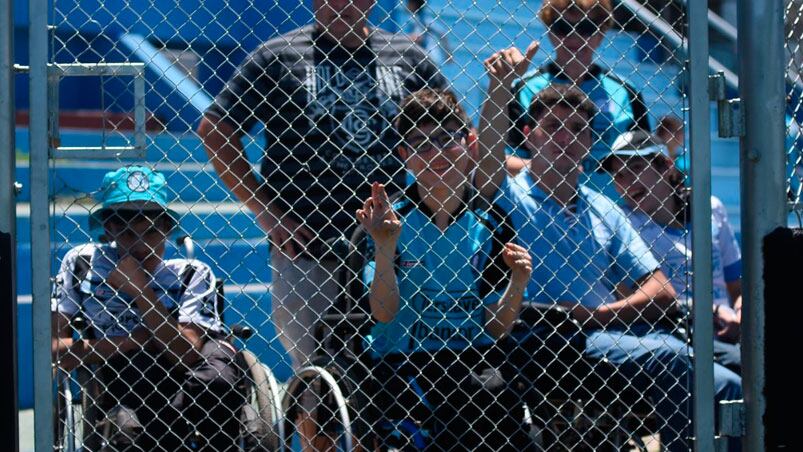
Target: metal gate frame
761,70
8,274
40,223
702,279
763,185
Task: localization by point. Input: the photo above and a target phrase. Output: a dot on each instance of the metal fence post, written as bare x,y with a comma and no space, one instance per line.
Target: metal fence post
761,71
700,143
40,228
8,274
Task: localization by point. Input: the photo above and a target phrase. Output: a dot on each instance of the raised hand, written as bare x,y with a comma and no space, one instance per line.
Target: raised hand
378,218
518,259
507,65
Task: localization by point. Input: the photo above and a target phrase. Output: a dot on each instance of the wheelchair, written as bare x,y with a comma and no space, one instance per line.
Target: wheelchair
340,377
570,402
81,424
573,402
336,377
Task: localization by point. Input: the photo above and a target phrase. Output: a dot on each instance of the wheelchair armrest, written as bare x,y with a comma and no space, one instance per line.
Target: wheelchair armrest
544,306
344,323
185,241
546,316
241,331
532,312
341,330
79,324
339,319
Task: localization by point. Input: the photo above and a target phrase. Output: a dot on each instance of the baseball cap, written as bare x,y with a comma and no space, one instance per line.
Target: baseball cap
637,143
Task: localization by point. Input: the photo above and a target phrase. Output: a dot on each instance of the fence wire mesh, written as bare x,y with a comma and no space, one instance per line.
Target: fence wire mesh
323,248
793,20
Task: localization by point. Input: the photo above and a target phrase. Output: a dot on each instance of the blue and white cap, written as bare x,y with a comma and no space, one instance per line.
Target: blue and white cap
132,187
636,143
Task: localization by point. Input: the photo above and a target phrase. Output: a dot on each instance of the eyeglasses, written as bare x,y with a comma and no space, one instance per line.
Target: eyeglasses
585,27
446,140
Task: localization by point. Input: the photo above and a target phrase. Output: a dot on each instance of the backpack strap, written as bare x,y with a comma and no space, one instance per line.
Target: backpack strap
80,270
186,278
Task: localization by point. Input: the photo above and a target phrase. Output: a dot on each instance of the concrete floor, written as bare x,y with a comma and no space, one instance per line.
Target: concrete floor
26,430
26,434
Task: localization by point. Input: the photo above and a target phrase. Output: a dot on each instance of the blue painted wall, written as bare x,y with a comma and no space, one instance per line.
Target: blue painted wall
221,33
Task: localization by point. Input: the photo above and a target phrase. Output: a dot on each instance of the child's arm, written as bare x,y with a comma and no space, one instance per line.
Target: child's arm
503,68
500,316
379,220
70,353
182,343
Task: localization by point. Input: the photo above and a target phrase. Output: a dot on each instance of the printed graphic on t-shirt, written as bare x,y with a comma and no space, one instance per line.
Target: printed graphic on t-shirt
350,107
445,317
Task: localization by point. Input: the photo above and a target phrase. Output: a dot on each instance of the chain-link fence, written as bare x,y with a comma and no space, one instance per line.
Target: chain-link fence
793,19
378,224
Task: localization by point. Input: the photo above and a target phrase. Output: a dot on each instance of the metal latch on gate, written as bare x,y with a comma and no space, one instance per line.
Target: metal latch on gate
55,72
730,120
731,424
731,418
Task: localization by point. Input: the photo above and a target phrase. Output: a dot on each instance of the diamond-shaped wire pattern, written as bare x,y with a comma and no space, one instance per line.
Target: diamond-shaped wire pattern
793,19
420,231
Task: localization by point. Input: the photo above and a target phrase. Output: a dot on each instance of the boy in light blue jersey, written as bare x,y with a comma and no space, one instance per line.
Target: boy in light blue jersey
445,283
576,29
594,261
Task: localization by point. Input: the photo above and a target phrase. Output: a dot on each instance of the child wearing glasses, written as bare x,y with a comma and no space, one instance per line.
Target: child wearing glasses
446,282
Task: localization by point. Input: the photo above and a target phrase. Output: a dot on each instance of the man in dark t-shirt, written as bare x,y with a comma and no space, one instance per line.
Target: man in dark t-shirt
327,94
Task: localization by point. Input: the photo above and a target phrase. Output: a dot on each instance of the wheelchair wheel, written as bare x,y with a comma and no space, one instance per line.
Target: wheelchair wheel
260,417
66,428
340,403
91,416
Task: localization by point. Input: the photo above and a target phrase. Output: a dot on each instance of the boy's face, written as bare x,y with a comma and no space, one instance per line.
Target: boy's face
141,235
438,155
673,135
560,140
575,38
342,17
643,185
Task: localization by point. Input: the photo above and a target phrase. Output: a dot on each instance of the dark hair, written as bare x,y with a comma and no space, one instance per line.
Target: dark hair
597,10
669,124
565,95
429,106
417,4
